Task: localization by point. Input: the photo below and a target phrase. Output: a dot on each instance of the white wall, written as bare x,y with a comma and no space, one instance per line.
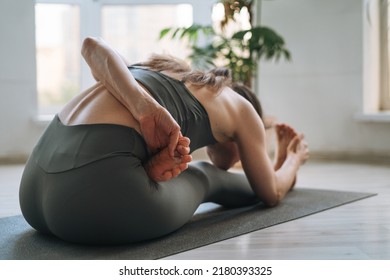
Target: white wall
319,92
321,89
18,133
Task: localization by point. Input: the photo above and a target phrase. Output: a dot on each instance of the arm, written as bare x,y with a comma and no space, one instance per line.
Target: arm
270,186
96,76
109,68
157,126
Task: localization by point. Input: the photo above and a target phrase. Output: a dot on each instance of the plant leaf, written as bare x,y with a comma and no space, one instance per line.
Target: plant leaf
164,32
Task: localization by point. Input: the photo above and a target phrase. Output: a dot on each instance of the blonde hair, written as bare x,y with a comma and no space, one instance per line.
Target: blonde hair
216,78
158,62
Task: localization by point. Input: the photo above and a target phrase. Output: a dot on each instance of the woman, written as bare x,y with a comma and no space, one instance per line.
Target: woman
112,167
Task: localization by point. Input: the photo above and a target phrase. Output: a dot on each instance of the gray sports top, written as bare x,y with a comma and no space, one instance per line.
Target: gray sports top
179,101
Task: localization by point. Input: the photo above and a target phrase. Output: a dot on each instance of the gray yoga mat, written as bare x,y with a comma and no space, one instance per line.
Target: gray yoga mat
19,241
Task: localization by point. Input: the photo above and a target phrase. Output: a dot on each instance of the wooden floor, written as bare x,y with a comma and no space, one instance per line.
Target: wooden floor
360,230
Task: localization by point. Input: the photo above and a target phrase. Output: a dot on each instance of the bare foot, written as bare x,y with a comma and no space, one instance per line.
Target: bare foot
162,167
284,135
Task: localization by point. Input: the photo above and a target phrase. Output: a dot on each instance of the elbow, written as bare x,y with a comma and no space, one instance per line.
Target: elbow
273,200
88,45
223,155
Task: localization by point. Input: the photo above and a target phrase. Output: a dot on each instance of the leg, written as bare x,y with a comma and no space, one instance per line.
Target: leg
177,200
106,202
100,204
207,183
30,198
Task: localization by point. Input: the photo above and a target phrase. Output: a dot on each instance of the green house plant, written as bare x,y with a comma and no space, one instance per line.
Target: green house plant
240,52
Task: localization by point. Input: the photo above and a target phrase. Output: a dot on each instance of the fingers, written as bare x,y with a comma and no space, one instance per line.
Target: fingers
173,141
182,150
186,159
181,165
294,143
180,158
170,174
183,146
304,150
299,146
184,141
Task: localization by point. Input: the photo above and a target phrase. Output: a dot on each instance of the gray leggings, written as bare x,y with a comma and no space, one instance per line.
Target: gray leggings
113,201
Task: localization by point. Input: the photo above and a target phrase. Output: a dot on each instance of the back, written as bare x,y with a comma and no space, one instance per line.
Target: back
224,109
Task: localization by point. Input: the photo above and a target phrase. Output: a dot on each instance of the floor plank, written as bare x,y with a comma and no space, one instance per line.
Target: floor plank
9,189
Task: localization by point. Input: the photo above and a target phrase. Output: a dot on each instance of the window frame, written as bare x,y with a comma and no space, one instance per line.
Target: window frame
384,102
375,66
90,20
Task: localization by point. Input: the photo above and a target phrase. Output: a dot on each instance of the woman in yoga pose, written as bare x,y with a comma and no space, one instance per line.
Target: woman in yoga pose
114,165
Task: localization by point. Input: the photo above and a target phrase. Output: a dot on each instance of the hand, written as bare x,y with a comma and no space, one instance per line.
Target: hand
162,167
160,130
299,147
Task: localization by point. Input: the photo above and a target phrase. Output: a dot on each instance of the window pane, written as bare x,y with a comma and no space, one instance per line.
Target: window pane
134,29
386,94
241,20
58,55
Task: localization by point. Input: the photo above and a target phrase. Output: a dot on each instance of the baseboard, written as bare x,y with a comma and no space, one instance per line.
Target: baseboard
316,155
351,157
19,159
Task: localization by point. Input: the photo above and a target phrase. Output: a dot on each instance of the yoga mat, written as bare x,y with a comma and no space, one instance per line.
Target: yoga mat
19,241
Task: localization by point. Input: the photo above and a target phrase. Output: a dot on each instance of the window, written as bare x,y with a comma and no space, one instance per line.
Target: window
119,28
385,53
376,48
130,26
57,54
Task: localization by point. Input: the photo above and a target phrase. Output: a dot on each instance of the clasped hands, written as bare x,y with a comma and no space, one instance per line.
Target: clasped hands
170,150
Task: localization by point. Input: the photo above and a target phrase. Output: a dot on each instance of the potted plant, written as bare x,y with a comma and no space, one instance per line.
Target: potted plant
240,52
